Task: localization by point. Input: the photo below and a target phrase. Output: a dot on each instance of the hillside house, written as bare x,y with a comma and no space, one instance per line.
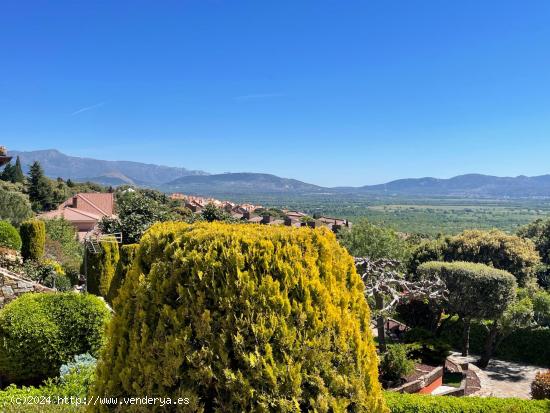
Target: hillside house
84,211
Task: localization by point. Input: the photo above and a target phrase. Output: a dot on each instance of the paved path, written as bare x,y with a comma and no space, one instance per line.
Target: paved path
503,378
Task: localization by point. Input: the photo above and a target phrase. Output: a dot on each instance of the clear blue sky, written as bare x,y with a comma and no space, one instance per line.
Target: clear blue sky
329,92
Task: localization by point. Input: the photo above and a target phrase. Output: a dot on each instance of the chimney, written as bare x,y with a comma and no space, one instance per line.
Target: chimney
75,201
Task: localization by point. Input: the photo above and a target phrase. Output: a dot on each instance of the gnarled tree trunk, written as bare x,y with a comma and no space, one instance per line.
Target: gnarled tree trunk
380,321
489,347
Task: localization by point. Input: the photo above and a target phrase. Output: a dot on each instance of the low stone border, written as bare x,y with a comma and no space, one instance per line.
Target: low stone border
470,382
422,382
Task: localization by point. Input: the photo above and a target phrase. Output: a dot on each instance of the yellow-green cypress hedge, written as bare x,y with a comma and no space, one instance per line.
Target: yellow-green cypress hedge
242,318
33,238
102,267
127,255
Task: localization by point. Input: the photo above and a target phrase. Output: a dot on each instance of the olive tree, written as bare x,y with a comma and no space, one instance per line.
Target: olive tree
518,314
476,291
388,287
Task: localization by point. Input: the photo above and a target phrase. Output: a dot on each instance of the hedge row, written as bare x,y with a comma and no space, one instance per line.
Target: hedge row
525,345
416,403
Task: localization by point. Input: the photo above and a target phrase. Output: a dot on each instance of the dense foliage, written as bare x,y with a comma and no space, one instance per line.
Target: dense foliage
40,189
75,378
476,291
14,204
42,331
33,237
539,232
127,255
416,403
13,173
136,212
9,237
248,318
62,244
395,363
368,240
101,267
524,345
540,387
495,248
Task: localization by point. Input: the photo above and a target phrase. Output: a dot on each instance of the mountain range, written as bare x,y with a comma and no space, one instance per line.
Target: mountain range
172,179
57,164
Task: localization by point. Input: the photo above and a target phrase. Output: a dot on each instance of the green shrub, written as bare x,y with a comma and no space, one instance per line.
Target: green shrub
33,237
62,244
476,291
9,237
495,248
540,387
42,331
395,363
417,403
242,318
365,239
14,206
541,307
74,381
102,267
427,347
127,255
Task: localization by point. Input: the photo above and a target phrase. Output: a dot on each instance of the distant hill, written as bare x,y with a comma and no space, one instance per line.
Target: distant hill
172,179
57,164
471,185
240,183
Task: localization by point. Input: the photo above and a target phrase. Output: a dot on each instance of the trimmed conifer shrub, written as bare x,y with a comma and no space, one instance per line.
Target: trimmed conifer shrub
102,267
9,237
242,318
33,238
39,332
127,254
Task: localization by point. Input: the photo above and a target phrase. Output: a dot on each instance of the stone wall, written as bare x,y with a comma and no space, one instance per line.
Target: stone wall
13,285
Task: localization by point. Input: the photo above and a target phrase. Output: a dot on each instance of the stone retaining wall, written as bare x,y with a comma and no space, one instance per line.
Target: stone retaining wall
13,285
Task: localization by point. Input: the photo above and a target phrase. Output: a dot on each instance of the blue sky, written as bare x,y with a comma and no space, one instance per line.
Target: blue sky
329,92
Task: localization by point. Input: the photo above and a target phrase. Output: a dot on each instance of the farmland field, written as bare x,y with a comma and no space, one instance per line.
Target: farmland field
420,215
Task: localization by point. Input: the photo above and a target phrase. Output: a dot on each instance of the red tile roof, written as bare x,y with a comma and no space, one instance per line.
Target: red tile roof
88,208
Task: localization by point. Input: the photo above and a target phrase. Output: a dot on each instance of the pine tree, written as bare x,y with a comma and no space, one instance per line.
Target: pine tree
40,191
7,173
18,175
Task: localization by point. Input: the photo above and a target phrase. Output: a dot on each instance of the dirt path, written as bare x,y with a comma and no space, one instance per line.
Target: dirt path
503,378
